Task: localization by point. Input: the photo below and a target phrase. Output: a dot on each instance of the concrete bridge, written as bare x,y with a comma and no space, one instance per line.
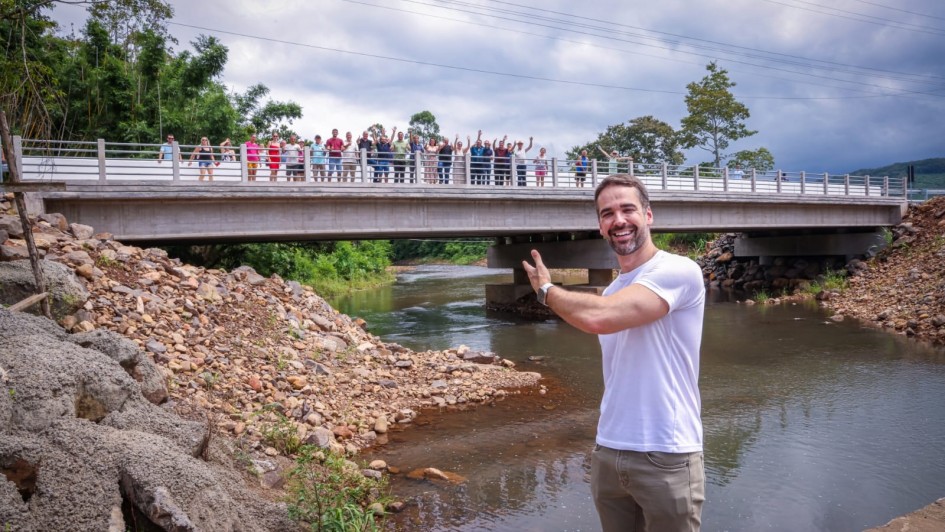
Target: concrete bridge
140,199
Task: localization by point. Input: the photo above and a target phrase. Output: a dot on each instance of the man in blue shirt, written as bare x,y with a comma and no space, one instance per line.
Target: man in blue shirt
477,170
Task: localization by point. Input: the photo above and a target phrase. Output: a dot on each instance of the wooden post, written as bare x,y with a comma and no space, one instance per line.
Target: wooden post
14,172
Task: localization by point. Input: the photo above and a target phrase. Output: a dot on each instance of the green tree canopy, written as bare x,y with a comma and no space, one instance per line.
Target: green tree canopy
119,79
645,138
423,124
29,89
761,159
715,117
263,118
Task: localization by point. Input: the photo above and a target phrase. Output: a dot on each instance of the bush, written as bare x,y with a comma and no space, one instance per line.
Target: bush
329,493
453,251
331,268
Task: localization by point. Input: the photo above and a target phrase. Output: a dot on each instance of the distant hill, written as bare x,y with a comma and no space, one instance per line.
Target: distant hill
929,173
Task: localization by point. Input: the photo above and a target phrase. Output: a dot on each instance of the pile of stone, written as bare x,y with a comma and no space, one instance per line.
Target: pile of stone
902,289
722,269
250,351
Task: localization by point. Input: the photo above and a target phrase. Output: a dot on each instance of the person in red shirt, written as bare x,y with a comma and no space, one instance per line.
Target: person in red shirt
335,146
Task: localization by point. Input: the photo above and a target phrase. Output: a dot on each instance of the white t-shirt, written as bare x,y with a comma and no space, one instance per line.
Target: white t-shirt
651,373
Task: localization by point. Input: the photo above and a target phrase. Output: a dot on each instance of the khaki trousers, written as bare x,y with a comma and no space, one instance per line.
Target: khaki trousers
647,492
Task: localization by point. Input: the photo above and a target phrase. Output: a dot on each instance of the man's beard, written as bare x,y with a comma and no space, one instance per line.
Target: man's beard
628,248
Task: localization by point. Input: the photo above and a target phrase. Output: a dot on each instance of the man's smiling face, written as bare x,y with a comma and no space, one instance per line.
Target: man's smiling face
624,222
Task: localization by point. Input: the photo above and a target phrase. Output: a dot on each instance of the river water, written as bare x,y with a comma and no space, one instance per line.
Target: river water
809,424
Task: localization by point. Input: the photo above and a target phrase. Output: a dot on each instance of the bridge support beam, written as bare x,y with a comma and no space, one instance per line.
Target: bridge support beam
846,244
558,251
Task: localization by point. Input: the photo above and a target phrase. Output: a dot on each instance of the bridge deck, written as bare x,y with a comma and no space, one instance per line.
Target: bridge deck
139,211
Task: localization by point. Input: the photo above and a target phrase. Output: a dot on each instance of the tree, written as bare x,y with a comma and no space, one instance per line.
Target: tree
761,159
263,118
423,124
125,20
715,118
645,138
29,92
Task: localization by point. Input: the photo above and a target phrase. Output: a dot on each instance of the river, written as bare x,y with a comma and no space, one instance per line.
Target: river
809,424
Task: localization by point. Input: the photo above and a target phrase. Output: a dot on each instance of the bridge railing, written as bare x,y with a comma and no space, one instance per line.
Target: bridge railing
49,160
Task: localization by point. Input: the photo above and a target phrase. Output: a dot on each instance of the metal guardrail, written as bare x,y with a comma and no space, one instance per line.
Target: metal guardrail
49,160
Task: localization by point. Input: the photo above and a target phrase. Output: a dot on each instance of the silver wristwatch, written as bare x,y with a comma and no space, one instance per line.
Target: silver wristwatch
543,293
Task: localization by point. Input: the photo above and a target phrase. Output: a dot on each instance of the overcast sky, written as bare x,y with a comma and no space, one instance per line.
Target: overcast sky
857,84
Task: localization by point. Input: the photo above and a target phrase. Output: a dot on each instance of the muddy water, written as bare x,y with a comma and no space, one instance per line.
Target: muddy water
809,424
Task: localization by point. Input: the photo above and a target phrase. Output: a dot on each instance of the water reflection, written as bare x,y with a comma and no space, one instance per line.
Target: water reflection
809,424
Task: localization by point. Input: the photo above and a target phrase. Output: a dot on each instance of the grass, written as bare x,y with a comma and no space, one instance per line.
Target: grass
761,297
280,433
328,493
693,245
332,287
105,261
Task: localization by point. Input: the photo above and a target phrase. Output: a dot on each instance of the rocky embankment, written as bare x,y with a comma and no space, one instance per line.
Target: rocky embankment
902,289
722,269
234,353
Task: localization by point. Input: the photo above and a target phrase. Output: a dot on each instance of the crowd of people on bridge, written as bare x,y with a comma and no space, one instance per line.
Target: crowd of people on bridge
396,158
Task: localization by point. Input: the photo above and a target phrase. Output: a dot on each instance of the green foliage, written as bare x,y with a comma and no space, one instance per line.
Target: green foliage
645,138
328,494
119,79
761,160
715,117
452,251
280,433
693,245
29,89
761,296
834,280
423,124
105,261
256,117
330,268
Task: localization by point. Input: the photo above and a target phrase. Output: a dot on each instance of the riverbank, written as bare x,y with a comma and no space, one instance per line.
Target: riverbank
902,289
263,363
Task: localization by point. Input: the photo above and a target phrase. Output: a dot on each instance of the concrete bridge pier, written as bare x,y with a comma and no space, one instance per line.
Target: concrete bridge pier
583,250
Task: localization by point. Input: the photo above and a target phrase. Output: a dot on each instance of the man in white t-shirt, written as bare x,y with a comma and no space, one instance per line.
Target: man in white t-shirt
647,469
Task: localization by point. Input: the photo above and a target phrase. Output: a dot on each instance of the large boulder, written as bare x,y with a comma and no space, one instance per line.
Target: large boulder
67,293
82,449
130,357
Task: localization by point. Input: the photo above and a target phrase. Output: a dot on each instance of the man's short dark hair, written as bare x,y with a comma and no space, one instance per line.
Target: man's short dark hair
623,180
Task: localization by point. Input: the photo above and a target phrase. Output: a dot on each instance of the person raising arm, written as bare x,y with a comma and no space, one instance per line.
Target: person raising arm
647,469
